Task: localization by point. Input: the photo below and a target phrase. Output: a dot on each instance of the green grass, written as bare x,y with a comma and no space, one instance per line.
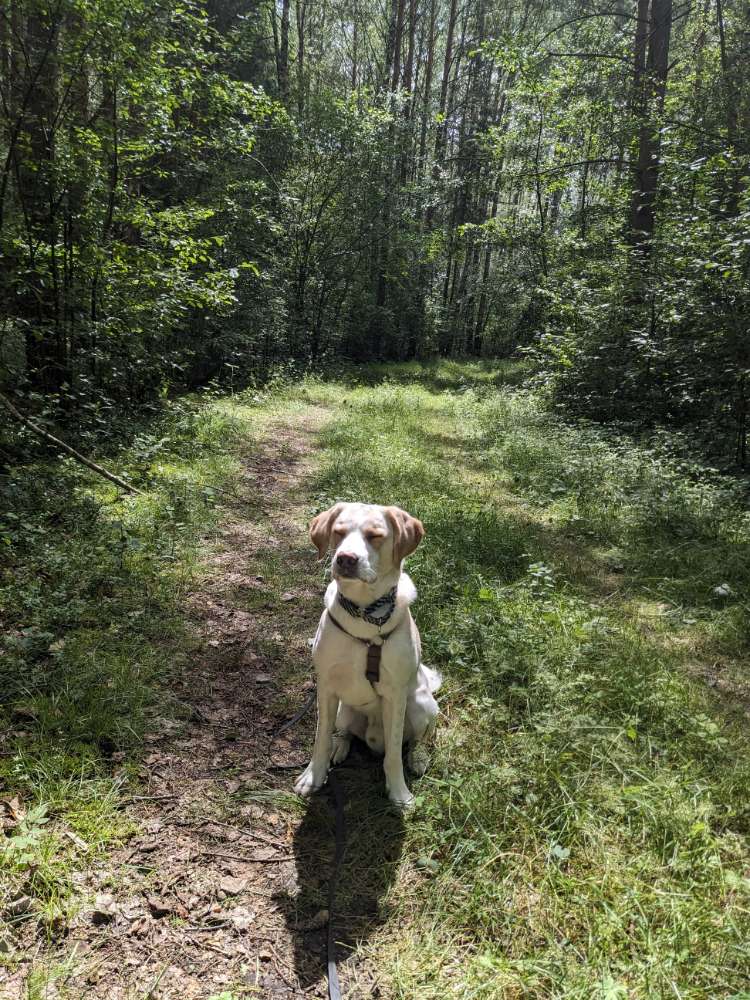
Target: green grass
93,623
583,831
91,608
587,811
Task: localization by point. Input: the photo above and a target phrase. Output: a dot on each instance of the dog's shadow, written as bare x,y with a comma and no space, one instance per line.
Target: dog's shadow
374,835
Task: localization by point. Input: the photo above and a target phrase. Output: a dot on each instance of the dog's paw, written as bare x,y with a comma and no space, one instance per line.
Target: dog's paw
308,782
403,801
399,794
342,743
418,759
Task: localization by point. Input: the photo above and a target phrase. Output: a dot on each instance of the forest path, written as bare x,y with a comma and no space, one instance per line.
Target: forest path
221,893
584,816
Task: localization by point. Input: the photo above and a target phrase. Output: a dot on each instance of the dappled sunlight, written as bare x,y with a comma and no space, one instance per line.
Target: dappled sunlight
586,801
538,599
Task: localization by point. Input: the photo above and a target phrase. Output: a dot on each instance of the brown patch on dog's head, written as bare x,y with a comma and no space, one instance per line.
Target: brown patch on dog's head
320,528
408,532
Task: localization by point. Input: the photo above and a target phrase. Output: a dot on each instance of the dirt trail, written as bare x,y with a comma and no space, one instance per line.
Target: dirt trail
222,890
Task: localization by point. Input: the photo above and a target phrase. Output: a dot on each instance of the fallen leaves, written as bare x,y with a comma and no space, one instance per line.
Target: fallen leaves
79,842
241,918
231,886
163,907
17,906
12,813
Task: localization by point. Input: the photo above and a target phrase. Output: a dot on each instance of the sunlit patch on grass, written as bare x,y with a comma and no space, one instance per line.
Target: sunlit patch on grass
583,820
582,831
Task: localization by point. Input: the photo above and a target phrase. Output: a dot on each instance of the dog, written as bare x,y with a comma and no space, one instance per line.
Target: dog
367,652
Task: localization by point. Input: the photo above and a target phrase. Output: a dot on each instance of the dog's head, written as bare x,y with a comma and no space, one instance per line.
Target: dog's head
368,541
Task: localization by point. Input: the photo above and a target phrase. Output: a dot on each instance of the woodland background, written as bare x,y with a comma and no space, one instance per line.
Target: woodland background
488,260
198,191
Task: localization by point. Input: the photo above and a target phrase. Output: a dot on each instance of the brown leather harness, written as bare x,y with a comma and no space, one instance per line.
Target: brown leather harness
374,648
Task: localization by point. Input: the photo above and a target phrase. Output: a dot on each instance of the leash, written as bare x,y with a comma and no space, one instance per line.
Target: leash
310,701
334,991
372,672
339,803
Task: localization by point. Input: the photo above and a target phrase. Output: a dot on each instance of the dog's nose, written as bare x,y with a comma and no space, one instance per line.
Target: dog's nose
346,560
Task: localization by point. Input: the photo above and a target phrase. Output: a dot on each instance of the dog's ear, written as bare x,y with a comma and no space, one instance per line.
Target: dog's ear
408,532
320,528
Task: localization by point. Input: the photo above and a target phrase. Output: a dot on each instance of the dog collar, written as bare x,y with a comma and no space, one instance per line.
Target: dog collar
368,613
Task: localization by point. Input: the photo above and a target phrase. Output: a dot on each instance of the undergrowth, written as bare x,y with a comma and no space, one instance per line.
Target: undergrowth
583,831
91,588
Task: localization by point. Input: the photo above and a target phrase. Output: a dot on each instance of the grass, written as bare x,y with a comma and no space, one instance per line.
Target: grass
92,589
587,812
583,829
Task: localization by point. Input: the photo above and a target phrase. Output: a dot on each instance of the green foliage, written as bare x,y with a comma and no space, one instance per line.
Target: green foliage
195,198
583,829
91,591
113,291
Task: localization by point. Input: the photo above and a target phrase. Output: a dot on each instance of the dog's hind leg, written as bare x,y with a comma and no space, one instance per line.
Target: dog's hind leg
342,744
421,719
417,754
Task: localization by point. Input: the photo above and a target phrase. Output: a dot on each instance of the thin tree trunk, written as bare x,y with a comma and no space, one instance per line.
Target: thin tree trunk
650,90
426,102
409,68
732,101
397,42
282,63
301,12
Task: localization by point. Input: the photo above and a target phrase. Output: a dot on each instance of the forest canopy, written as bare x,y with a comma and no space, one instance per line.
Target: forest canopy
198,191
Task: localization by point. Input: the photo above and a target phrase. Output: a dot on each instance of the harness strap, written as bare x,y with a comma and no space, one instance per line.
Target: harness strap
374,649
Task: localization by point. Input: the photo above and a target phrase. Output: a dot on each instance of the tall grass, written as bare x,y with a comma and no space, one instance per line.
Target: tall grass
582,832
91,590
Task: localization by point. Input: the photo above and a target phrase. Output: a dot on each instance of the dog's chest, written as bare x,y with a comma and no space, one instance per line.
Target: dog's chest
341,664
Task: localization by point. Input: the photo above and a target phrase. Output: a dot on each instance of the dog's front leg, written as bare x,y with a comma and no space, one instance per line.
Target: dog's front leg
314,775
394,713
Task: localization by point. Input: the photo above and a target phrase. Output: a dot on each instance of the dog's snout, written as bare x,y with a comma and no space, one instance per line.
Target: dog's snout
346,560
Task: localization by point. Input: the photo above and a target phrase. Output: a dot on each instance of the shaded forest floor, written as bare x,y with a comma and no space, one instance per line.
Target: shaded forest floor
583,828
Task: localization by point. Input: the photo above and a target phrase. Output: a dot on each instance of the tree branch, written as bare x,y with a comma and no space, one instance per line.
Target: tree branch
51,439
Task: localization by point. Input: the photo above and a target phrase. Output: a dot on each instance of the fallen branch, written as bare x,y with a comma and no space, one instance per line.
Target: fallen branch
51,439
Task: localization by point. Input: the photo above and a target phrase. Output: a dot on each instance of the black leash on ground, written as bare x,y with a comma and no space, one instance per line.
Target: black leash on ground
339,802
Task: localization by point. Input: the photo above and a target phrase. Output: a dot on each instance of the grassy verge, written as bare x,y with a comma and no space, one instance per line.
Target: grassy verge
583,831
91,590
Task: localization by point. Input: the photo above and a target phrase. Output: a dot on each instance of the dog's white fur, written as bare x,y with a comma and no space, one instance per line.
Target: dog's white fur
400,707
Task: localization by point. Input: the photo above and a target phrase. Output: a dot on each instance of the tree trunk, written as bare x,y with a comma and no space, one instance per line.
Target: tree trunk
282,61
301,12
732,83
409,68
400,6
650,87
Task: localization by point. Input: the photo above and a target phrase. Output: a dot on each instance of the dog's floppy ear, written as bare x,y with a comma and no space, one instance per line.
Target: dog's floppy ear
408,532
320,528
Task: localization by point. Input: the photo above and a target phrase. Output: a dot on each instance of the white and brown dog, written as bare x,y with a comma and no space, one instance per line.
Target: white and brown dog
367,653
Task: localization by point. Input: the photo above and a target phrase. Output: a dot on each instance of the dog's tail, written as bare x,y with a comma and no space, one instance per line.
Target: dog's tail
433,677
